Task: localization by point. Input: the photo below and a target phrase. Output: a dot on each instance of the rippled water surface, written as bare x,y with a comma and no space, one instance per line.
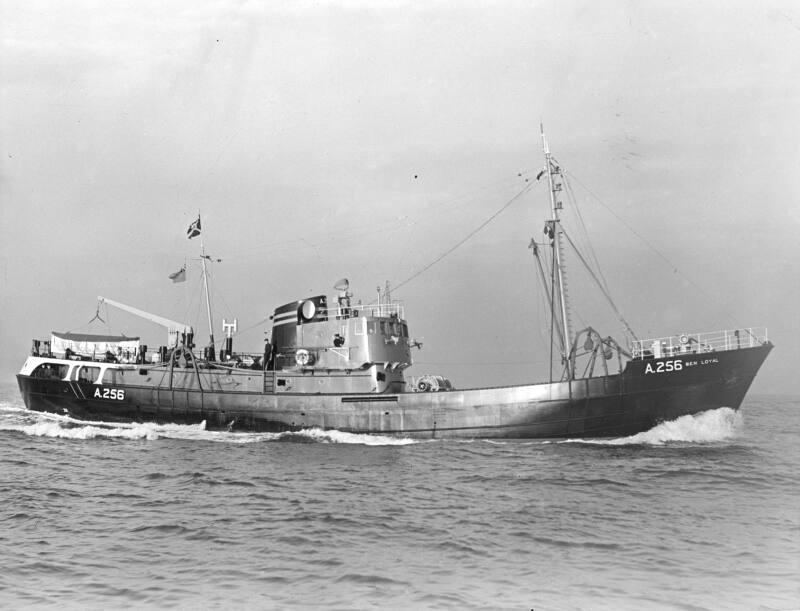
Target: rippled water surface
699,513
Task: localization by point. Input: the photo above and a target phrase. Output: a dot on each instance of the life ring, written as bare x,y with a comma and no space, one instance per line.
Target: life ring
303,357
684,339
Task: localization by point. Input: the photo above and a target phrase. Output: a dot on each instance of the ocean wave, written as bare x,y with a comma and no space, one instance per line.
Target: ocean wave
722,424
57,429
66,427
6,406
335,436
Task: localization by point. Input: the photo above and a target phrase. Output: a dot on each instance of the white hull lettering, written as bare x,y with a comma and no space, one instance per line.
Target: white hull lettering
664,366
115,394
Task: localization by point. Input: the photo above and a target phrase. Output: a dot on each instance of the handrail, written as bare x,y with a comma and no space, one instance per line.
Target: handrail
376,310
730,339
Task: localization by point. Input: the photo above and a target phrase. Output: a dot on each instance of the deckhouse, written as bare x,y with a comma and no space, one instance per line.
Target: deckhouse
343,348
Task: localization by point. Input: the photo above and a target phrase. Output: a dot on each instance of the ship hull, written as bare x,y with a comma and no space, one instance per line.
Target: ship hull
647,392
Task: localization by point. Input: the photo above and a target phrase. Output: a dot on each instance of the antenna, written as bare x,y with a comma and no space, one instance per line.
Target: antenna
229,327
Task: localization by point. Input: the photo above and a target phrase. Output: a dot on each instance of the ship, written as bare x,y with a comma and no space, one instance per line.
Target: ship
335,363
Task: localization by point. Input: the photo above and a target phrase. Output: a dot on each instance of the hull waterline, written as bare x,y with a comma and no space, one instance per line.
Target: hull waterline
613,405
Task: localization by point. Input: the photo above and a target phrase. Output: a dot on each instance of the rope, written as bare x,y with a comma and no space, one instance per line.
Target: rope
585,232
656,251
253,326
600,286
461,242
624,222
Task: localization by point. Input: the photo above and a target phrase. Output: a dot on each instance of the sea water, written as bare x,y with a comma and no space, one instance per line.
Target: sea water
699,513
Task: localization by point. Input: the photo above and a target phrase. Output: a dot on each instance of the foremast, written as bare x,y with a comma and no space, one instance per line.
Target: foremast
586,342
559,290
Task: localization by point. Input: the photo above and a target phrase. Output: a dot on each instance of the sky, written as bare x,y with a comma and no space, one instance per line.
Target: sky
322,140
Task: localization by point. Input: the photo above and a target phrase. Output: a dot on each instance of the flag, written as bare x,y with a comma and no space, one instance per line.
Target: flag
179,276
194,229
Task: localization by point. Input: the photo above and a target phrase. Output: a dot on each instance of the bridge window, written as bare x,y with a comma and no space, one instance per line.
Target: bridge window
398,329
52,371
87,374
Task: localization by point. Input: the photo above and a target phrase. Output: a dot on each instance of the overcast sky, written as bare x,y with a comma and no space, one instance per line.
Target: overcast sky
323,140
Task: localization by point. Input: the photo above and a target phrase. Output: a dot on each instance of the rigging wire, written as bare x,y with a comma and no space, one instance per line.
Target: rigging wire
331,235
483,363
553,313
527,188
539,254
253,326
107,321
192,311
624,222
461,242
600,286
654,249
220,296
586,236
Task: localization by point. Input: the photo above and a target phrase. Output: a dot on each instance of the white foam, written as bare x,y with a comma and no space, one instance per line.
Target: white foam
334,436
12,407
55,429
706,427
712,426
66,427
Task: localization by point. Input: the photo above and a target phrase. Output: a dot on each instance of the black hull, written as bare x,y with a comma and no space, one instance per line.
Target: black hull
645,393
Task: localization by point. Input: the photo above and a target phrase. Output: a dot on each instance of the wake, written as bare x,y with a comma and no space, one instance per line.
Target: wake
716,425
18,419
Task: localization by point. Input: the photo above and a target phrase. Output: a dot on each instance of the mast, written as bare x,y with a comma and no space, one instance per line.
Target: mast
554,225
203,257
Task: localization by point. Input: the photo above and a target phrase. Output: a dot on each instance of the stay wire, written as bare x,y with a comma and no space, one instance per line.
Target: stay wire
624,222
585,232
654,249
352,232
464,240
253,326
600,286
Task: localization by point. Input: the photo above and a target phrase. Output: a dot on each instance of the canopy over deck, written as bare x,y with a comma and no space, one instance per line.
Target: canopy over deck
88,344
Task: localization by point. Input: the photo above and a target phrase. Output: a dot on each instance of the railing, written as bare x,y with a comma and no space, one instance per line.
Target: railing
383,310
376,310
239,360
689,343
